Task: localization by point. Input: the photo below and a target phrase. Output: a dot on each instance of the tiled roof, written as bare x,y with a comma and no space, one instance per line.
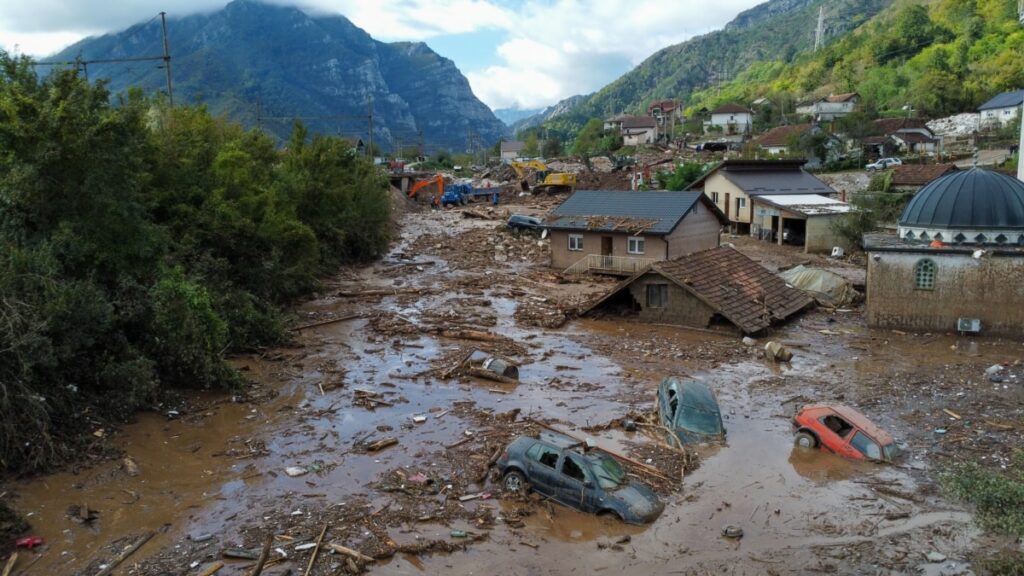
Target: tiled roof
886,126
756,177
665,105
919,175
743,291
731,109
1004,100
780,135
618,211
639,122
914,137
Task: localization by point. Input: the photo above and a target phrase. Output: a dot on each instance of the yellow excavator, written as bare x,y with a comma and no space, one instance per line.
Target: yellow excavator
548,183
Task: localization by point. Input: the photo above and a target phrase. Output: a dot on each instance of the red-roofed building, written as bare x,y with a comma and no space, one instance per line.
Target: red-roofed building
665,111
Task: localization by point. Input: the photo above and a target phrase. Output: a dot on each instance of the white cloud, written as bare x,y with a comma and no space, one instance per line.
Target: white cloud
551,49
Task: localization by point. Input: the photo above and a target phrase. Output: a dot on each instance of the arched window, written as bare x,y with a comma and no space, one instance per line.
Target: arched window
924,274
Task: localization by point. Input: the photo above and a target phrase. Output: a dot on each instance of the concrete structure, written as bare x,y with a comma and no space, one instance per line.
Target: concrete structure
708,289
732,183
798,219
958,257
511,151
620,232
1000,110
732,119
637,130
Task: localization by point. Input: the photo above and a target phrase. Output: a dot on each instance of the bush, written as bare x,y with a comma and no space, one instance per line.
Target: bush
997,496
140,243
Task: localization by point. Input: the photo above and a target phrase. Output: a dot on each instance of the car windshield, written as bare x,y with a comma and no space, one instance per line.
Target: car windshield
699,420
610,474
891,451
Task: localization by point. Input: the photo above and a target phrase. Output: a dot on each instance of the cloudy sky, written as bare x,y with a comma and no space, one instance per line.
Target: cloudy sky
525,54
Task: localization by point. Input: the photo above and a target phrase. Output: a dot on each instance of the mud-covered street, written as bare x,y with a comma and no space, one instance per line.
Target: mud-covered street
302,459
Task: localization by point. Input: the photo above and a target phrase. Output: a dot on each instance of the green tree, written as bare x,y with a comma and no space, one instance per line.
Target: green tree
552,147
531,146
589,139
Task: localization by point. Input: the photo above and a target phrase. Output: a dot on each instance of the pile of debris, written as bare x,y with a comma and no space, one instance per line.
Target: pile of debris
958,125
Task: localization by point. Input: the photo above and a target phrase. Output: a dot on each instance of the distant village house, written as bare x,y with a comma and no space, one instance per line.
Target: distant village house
637,130
731,119
792,139
830,107
665,112
1001,109
511,151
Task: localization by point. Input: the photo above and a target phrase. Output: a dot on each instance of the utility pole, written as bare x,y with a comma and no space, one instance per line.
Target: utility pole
167,60
820,33
1020,144
369,117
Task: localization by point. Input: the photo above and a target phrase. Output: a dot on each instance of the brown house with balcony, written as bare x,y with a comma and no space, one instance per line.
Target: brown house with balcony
732,184
621,232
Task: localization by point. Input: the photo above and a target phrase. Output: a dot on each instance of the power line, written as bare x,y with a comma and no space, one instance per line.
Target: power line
165,57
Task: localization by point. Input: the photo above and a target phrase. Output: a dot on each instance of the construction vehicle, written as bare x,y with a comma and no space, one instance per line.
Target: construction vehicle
546,182
433,186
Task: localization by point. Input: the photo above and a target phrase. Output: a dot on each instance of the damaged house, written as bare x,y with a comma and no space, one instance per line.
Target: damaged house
716,288
620,232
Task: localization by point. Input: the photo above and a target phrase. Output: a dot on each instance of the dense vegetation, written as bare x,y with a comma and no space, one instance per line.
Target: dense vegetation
140,243
777,31
941,58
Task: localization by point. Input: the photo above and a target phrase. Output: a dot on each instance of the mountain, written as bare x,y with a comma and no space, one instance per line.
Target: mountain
511,115
553,111
777,30
322,68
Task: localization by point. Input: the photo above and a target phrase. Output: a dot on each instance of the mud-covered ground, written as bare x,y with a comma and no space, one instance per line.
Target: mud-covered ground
209,482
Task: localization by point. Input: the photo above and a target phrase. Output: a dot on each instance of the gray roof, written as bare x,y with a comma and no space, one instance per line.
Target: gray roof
639,122
777,182
972,198
619,211
1004,100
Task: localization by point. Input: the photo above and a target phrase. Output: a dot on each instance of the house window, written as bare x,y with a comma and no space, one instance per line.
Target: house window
714,197
924,274
575,242
741,202
657,295
636,245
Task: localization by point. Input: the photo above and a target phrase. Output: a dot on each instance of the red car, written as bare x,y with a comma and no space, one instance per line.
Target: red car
844,431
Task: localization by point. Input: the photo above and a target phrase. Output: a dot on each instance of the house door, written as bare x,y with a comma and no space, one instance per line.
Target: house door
727,207
606,251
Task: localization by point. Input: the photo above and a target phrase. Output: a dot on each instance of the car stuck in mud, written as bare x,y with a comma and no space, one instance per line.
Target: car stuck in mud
556,467
844,431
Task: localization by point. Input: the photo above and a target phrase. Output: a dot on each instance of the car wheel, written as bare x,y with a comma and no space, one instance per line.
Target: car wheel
610,514
805,440
514,482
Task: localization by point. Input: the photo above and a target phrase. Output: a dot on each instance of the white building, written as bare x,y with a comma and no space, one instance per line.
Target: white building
1000,110
732,119
637,130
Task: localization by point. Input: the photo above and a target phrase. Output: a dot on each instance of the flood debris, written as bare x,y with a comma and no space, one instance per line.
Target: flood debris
777,352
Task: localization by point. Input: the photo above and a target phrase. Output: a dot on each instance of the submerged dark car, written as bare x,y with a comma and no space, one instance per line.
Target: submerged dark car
590,481
689,409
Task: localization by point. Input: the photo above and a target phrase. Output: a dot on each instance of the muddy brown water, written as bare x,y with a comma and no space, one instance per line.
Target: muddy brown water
197,475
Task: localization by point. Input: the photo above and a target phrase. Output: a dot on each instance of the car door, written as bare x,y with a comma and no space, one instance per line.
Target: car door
572,490
541,470
835,433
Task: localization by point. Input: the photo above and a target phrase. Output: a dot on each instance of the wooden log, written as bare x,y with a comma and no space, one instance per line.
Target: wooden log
325,322
264,553
10,564
650,469
488,375
350,552
316,550
125,554
381,444
212,569
476,335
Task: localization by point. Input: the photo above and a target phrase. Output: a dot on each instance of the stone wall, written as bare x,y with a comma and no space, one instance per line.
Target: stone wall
990,288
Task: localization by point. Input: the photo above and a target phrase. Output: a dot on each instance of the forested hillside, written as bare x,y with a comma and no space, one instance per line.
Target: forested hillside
939,57
776,31
140,243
